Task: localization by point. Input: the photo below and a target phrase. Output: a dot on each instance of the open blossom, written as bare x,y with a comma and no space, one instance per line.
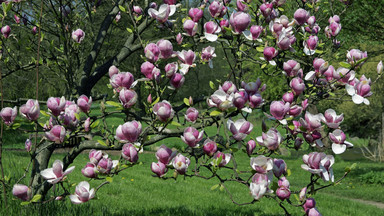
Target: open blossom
297,85
332,119
354,55
163,110
170,69
106,164
56,105
8,115
22,192
188,58
239,21
165,154
181,163
240,128
129,153
259,186
344,75
163,13
56,134
291,68
210,147
128,97
129,131
82,193
78,35
225,158
360,91
253,33
56,174
190,27
207,54
221,100
95,156
191,115
159,169
310,45
137,9
211,29
311,122
266,9
262,164
216,8
30,110
84,103
339,144
320,164
271,139
192,136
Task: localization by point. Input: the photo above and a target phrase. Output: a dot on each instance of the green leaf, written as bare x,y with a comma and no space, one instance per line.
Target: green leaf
25,203
289,172
122,8
95,124
9,7
109,179
156,101
215,113
360,61
212,85
221,187
15,126
176,123
280,9
113,103
101,142
319,51
44,113
215,186
263,66
129,30
186,101
36,198
260,49
345,65
77,116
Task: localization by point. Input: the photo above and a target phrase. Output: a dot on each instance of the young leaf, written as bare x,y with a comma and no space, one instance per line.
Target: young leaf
36,198
186,101
215,186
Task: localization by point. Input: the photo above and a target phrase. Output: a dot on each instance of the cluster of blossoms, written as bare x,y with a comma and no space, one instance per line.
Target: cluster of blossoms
227,96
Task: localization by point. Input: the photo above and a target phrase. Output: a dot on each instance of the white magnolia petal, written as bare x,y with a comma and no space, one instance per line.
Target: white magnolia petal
357,99
247,34
211,37
75,199
310,75
338,148
350,90
366,101
48,174
273,63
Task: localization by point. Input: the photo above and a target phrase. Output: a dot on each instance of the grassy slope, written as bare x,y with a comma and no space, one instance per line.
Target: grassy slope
135,192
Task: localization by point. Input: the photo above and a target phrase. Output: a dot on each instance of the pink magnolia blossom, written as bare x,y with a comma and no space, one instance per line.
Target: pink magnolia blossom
30,110
339,144
310,45
165,154
121,80
301,16
137,9
288,97
360,91
159,169
84,103
221,100
239,21
90,170
216,8
166,48
190,27
82,193
112,71
279,109
6,31
180,163
164,12
354,55
95,156
129,131
22,192
210,147
297,85
225,158
179,38
271,139
291,68
191,115
196,14
87,124
266,9
240,128
320,164
192,136
78,35
240,98
270,53
8,115
56,134
332,119
283,193
128,97
211,29
279,167
251,145
129,153
188,58
56,105
170,69
163,110
177,80
152,52
56,174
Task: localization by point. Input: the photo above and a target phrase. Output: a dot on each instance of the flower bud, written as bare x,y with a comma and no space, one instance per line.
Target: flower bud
269,53
152,52
380,67
288,97
192,114
159,169
87,123
179,38
129,131
279,168
129,153
283,193
78,35
28,145
128,97
210,147
297,85
163,110
239,21
6,31
177,80
166,48
22,192
8,115
251,145
90,170
30,110
196,14
112,71
56,134
301,16
84,103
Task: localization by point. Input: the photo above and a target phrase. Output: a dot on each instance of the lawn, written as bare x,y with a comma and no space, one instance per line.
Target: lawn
136,192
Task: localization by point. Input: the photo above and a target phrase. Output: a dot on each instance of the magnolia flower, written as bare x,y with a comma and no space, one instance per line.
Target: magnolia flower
170,69
6,31
332,119
30,110
177,80
339,144
262,164
163,110
354,55
279,109
56,105
259,186
78,35
310,45
56,134
240,98
225,158
380,67
95,156
128,97
28,145
129,131
163,13
207,54
239,129
166,48
191,115
55,174
216,8
165,154
271,139
129,153
159,169
311,122
301,16
279,167
90,170
180,163
179,38
152,52
210,147
22,192
82,193
221,100
84,103
360,91
8,115
253,33
251,145
320,164
192,136
196,14
211,29
283,193
239,21
187,57
121,80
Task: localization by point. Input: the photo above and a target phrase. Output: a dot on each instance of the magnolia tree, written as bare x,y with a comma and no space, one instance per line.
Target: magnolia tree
291,44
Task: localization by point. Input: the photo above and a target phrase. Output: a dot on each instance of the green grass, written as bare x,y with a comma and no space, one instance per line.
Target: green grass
136,192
